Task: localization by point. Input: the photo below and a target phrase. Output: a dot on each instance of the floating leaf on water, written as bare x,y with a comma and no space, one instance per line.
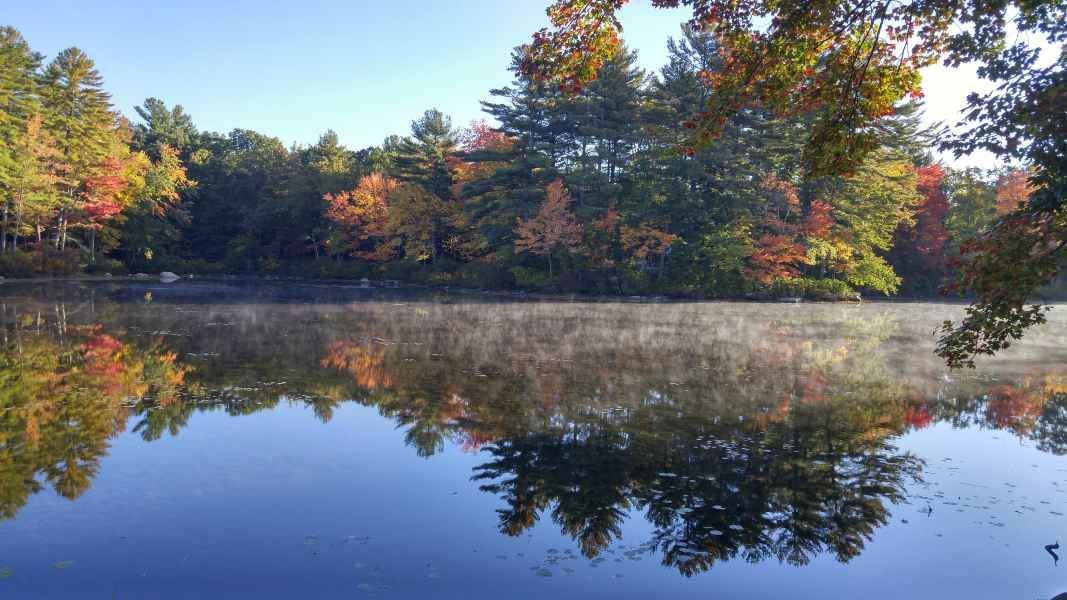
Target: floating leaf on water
543,573
63,564
5,573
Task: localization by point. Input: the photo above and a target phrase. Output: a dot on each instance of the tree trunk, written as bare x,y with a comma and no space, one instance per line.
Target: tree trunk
3,230
15,234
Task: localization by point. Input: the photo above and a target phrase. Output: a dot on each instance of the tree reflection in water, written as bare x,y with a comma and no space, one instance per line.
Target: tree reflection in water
736,436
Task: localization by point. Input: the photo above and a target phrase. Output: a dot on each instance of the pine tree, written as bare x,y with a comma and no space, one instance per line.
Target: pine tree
79,116
422,159
22,143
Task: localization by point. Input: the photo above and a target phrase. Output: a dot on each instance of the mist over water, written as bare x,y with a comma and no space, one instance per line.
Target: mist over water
250,440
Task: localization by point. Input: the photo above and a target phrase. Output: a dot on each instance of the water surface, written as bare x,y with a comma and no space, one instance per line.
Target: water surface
214,439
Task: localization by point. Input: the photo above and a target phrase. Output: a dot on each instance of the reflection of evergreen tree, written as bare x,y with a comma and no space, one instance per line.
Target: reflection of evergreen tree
815,482
587,479
1051,431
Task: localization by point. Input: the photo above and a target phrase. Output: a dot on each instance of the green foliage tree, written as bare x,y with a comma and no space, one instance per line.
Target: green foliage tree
78,115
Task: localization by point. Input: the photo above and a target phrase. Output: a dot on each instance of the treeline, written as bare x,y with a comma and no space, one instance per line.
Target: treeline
593,191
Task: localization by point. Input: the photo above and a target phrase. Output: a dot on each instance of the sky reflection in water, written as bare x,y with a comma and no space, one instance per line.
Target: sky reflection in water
257,441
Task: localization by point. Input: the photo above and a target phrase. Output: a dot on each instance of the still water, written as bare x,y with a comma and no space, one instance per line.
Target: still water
223,440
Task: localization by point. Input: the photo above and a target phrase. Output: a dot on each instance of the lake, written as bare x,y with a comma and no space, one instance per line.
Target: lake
268,440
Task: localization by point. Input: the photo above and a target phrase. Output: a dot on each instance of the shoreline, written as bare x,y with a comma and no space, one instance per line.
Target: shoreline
398,285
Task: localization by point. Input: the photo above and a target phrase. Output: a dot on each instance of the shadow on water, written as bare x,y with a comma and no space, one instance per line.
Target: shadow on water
737,432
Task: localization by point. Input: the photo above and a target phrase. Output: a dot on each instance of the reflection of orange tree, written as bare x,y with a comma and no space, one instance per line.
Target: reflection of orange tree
423,397
364,360
1030,407
62,397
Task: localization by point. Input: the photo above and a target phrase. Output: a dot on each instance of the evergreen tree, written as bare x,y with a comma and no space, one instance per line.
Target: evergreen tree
422,159
78,114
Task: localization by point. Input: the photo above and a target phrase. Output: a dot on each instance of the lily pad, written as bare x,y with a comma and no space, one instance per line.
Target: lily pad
63,564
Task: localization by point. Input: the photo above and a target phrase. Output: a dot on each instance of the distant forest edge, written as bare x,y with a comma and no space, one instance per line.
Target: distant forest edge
583,192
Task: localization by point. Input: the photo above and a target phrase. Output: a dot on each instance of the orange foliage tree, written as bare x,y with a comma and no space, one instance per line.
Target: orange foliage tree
554,228
1013,190
646,245
779,250
363,214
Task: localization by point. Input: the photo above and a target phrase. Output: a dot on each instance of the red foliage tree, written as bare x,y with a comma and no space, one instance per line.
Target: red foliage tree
919,248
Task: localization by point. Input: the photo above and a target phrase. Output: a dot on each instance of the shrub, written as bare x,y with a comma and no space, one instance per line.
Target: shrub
44,262
487,276
812,289
104,264
530,279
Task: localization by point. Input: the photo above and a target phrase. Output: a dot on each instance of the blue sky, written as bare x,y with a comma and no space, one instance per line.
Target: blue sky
364,69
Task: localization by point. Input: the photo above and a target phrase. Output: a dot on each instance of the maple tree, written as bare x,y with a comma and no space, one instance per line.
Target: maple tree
647,246
553,230
919,249
364,213
1013,190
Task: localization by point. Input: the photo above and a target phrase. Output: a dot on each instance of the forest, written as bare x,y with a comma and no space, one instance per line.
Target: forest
587,190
